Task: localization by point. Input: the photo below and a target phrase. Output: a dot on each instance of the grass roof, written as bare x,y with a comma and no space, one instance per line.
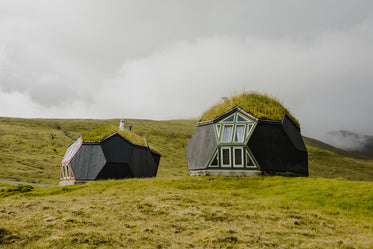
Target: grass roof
101,132
259,105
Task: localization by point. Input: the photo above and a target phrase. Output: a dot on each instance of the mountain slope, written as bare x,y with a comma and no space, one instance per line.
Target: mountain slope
352,141
327,161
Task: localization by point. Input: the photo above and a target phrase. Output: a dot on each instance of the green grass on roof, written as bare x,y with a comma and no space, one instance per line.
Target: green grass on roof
101,132
259,105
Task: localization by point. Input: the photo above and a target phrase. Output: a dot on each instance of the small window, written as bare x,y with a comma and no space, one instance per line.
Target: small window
239,134
249,127
66,174
218,128
229,119
241,119
69,170
215,160
227,133
238,157
226,157
249,161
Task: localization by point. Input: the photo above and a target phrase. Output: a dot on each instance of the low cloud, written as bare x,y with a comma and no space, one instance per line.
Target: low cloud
325,82
108,61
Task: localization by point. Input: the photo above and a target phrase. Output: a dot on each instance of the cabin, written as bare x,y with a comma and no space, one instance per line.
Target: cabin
113,157
232,141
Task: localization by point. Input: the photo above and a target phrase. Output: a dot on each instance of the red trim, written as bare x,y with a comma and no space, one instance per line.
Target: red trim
77,146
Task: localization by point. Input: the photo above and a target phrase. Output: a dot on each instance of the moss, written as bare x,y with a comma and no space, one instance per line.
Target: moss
259,105
101,132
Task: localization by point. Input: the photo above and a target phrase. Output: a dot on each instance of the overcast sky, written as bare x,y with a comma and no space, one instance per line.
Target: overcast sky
174,59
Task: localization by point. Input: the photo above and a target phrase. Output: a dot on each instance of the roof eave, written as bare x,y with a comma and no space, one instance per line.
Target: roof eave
226,114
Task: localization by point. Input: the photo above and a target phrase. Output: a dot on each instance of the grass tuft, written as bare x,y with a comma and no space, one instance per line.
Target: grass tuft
13,190
99,133
261,106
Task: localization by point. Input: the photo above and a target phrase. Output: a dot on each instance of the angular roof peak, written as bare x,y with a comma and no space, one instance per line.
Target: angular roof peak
258,106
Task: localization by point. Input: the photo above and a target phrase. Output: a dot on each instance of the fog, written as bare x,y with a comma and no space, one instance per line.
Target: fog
174,59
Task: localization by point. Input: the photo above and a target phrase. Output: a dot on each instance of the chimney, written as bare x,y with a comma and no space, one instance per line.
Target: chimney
121,125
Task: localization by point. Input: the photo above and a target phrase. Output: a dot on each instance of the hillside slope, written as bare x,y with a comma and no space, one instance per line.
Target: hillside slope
190,212
31,149
174,210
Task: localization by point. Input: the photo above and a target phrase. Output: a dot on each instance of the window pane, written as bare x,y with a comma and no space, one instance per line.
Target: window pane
68,169
239,134
241,119
226,157
238,157
249,161
229,119
218,128
227,133
66,175
249,127
215,161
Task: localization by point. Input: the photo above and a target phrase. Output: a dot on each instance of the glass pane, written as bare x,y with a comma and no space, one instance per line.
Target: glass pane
241,119
215,161
229,119
65,171
249,127
226,156
238,157
249,161
70,173
239,134
218,128
227,133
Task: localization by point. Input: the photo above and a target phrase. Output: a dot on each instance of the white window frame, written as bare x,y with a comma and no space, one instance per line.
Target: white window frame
251,166
223,131
221,157
216,154
248,129
229,121
219,130
70,172
234,133
242,157
241,121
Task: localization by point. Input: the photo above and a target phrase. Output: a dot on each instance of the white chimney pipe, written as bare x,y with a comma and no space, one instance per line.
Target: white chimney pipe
121,125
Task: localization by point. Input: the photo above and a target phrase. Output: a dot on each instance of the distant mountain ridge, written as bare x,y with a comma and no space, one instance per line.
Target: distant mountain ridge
352,142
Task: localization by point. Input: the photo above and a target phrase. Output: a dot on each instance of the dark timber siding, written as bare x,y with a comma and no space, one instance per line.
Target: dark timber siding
275,150
114,158
117,149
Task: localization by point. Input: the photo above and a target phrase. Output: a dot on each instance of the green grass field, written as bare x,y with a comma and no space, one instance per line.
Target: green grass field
331,209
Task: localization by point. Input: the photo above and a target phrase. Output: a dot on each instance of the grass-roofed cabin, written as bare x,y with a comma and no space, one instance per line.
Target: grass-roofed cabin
245,135
108,153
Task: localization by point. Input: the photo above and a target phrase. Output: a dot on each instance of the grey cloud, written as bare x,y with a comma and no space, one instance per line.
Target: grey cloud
173,59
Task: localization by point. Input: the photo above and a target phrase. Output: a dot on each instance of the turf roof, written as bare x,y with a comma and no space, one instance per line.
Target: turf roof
259,105
101,132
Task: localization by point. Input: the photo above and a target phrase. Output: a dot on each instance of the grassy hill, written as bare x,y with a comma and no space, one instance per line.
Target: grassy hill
190,212
174,210
31,149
